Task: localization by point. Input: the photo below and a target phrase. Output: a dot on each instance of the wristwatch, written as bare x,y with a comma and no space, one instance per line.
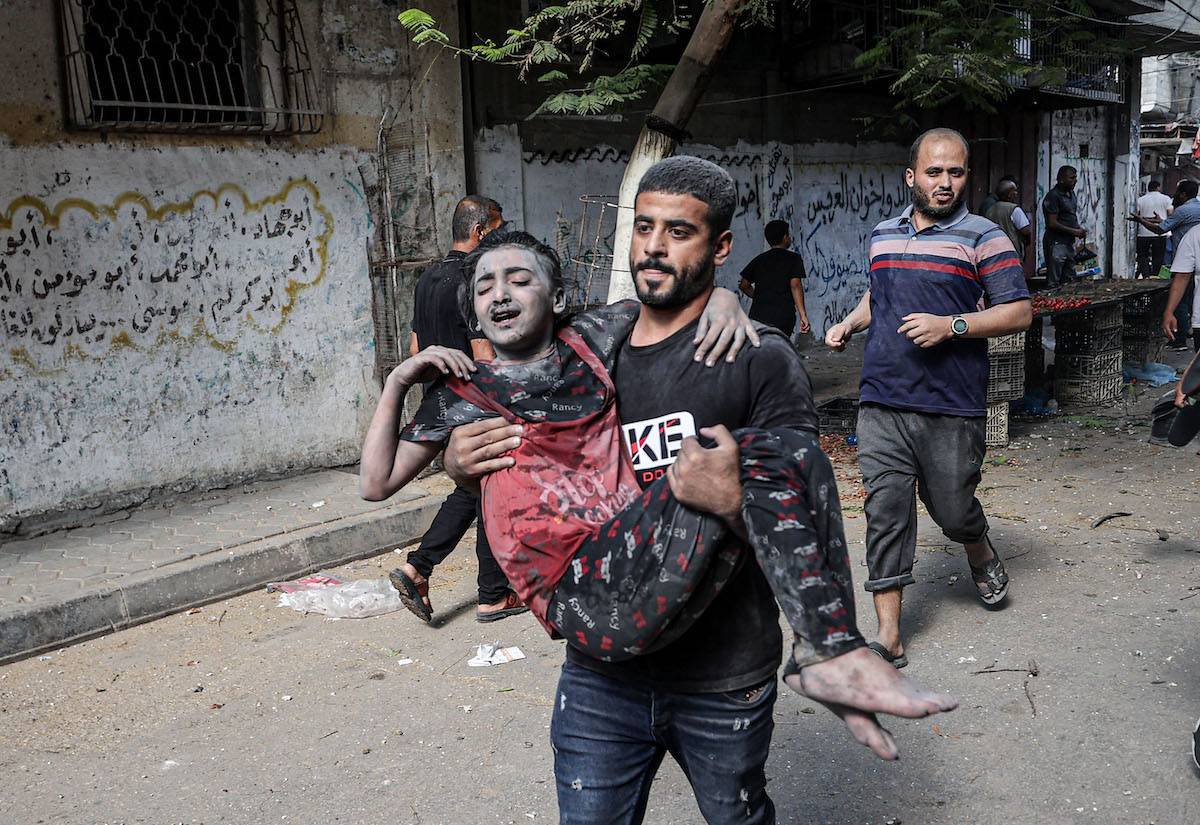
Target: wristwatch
958,326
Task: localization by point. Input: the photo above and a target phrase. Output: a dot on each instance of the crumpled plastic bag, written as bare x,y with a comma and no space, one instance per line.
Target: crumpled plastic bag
1154,374
353,600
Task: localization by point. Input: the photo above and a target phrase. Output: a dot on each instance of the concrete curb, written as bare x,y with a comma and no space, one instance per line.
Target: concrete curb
211,577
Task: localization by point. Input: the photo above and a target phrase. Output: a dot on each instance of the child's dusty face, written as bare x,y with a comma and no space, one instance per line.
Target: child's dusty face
515,302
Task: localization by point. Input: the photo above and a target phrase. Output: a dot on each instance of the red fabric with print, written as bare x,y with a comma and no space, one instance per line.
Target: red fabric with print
570,477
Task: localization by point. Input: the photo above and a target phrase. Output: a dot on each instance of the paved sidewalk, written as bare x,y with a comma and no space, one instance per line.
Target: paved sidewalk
146,563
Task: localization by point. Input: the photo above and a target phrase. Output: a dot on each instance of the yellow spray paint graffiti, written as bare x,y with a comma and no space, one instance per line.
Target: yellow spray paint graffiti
81,279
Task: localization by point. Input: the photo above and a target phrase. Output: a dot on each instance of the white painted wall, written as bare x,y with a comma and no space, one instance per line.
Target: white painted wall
176,317
831,194
236,340
1064,134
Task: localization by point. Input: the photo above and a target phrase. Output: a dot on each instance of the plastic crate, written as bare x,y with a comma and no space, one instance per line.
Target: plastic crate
1142,351
1145,304
1104,316
996,434
1083,367
1006,376
1072,341
838,415
1087,391
1007,343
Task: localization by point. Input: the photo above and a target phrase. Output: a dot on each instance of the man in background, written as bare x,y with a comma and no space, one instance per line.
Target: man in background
774,281
437,320
1153,206
1007,214
1061,211
994,195
1183,218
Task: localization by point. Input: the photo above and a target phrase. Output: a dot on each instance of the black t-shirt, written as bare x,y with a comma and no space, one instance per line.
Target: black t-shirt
1065,206
437,320
663,396
772,274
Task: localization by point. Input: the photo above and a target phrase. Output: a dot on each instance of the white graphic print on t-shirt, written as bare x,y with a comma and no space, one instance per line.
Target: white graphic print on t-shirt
654,443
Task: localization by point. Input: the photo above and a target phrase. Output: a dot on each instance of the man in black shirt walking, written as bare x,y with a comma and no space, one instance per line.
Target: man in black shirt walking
775,281
438,320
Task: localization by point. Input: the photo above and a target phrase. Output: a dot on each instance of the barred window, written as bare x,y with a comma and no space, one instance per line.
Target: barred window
228,66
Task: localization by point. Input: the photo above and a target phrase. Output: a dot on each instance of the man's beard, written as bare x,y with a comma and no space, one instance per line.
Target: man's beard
925,206
684,287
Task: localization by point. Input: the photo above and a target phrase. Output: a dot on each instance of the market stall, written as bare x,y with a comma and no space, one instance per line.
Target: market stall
1099,327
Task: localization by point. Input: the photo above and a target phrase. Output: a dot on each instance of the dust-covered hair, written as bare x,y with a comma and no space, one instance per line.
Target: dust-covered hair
546,257
703,180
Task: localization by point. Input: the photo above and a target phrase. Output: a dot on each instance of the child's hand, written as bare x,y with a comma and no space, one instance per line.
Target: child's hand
723,328
430,363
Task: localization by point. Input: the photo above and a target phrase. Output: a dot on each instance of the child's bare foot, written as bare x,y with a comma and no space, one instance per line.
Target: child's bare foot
866,730
862,680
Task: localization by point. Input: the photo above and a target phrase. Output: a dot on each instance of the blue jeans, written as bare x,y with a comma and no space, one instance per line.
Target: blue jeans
609,738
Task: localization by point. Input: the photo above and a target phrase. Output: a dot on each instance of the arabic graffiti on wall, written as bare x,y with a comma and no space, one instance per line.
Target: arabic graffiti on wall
831,204
839,205
79,278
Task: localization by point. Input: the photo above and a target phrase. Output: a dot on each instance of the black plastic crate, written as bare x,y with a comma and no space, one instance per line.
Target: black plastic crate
1082,367
1103,316
1085,392
1145,304
1073,341
838,415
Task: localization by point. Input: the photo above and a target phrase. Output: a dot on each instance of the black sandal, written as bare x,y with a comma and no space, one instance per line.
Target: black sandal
411,595
885,654
991,580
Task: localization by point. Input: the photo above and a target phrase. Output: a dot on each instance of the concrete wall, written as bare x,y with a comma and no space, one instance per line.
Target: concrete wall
185,312
831,194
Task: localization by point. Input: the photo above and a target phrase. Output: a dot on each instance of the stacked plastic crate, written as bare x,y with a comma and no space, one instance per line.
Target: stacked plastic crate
1142,338
1006,382
1087,356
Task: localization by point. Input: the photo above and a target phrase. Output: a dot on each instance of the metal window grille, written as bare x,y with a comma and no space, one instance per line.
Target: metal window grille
215,66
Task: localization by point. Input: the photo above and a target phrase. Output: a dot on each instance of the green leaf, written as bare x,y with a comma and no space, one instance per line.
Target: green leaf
553,76
430,36
415,19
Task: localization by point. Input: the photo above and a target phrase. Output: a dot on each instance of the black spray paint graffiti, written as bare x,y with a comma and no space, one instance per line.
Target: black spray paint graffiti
839,208
82,277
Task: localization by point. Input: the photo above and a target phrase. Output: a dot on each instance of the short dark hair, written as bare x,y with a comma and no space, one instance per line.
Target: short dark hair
547,257
1064,169
939,132
1153,186
702,179
472,211
1188,187
775,231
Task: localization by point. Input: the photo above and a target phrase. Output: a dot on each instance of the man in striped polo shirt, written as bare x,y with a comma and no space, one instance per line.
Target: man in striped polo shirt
923,394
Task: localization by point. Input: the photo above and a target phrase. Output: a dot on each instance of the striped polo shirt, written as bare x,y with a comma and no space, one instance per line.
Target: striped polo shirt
950,268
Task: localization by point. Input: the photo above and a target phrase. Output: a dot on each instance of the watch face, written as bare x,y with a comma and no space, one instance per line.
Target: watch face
959,326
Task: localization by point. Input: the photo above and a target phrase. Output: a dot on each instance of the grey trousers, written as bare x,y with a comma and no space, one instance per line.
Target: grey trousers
903,454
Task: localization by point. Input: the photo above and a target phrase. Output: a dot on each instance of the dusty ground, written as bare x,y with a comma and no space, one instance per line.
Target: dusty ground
245,712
